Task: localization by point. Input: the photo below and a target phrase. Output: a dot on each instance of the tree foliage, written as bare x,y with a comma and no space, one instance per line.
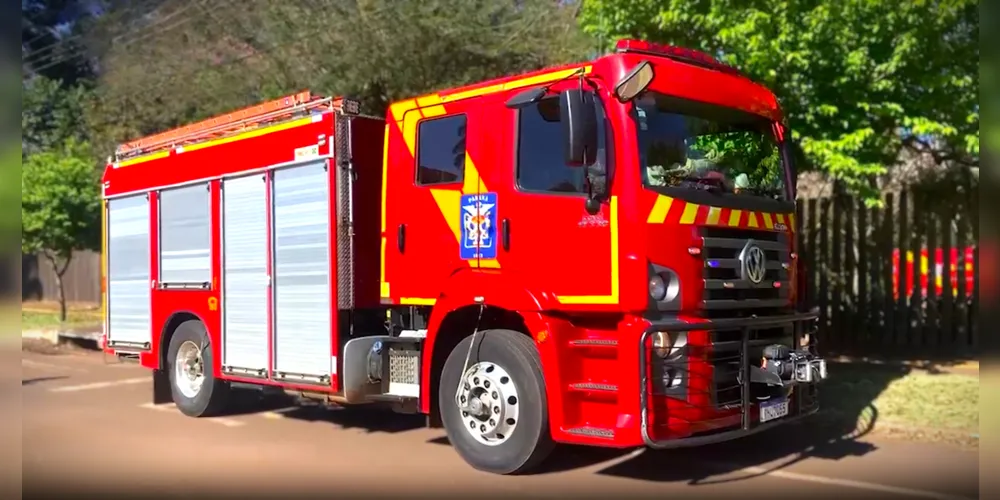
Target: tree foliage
51,113
60,205
185,60
859,80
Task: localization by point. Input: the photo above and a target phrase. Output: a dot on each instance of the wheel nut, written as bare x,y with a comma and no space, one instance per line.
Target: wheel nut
493,422
486,384
496,409
495,395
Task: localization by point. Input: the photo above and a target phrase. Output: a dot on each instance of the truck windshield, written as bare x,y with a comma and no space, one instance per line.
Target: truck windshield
693,145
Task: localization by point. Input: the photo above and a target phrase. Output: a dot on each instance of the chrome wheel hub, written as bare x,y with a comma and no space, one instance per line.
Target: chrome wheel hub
488,403
189,369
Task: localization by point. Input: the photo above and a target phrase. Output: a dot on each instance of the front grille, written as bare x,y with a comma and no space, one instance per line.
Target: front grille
727,359
726,287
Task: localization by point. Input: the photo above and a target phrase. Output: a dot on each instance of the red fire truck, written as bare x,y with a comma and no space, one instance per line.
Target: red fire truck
600,254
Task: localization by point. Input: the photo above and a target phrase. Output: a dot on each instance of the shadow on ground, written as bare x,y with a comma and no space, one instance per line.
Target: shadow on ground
847,416
38,380
371,419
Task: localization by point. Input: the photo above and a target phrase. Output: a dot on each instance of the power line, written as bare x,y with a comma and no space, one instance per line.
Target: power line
140,33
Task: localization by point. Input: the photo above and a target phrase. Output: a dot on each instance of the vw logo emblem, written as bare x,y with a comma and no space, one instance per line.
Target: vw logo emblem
754,263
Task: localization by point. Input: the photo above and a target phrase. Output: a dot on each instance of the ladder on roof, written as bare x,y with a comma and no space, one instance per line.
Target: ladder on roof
238,121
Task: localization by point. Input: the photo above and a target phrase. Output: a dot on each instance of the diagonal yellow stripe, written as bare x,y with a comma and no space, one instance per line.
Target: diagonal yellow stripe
734,218
660,208
713,216
690,212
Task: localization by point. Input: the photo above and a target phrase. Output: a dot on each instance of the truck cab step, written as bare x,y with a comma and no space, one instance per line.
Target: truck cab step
597,432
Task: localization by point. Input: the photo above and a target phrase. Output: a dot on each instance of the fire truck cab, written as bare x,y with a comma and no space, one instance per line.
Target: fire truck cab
602,253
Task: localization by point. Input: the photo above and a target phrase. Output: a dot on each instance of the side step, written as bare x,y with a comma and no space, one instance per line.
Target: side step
592,432
607,343
593,387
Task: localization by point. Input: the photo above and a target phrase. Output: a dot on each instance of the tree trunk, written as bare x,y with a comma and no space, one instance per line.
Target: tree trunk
62,298
60,270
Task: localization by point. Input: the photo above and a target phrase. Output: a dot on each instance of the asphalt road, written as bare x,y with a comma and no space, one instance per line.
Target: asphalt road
89,428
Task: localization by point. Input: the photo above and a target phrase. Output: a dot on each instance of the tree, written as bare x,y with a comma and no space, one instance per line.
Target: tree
51,113
60,207
187,60
859,80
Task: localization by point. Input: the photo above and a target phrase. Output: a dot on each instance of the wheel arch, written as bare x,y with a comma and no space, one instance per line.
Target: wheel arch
505,305
176,319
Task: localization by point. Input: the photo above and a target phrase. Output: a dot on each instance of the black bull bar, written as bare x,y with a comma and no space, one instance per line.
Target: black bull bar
745,326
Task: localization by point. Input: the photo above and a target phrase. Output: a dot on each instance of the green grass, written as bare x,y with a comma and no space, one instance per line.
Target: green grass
902,398
46,317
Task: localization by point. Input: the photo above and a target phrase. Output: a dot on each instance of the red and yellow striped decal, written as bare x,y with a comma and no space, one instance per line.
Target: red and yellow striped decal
667,210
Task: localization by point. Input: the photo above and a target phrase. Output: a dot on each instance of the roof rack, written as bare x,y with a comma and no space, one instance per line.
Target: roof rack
238,121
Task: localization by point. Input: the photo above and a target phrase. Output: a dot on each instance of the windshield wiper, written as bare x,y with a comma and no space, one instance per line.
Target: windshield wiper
759,191
709,184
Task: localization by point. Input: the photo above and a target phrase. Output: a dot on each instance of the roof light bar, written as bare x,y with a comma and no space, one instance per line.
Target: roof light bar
680,54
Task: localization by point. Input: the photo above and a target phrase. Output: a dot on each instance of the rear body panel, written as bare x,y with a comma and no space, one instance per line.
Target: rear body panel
271,304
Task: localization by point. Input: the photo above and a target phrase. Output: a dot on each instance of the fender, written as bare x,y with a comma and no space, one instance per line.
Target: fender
463,289
155,357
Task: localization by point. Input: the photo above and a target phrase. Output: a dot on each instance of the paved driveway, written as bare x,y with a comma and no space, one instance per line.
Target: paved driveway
88,427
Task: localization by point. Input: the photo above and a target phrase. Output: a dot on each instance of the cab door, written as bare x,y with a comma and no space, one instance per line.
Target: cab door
428,178
553,243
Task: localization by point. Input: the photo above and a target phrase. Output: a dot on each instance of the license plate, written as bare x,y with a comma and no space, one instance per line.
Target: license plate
774,409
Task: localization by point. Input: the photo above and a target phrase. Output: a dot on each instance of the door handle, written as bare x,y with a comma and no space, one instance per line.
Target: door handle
505,235
401,238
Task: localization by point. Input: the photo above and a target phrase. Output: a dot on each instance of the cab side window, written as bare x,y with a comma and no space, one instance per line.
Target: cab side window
540,142
441,150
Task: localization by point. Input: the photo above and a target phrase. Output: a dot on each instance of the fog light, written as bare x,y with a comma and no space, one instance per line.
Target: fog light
667,345
657,288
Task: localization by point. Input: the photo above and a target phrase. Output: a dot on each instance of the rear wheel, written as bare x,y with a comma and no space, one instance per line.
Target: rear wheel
498,420
195,391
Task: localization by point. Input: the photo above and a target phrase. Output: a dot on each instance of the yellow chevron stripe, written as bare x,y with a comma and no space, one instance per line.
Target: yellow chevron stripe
734,218
713,215
660,208
689,214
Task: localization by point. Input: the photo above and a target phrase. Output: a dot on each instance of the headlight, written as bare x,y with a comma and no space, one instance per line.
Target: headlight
657,288
666,344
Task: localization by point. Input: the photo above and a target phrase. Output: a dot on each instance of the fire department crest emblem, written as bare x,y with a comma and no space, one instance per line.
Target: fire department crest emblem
478,224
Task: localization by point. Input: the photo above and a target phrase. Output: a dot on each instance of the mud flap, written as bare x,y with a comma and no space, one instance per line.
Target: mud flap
161,388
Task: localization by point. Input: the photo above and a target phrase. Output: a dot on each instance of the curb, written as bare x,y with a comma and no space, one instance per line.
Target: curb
89,340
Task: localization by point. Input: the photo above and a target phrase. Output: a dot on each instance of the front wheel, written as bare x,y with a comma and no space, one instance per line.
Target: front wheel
498,418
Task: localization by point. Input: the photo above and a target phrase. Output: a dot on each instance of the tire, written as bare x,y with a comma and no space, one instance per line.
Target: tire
512,355
211,395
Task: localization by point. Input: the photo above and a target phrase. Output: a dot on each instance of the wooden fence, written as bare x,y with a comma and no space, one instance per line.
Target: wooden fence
926,305
82,280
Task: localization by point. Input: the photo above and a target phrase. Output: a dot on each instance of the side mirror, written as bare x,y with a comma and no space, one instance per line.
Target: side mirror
578,113
634,82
